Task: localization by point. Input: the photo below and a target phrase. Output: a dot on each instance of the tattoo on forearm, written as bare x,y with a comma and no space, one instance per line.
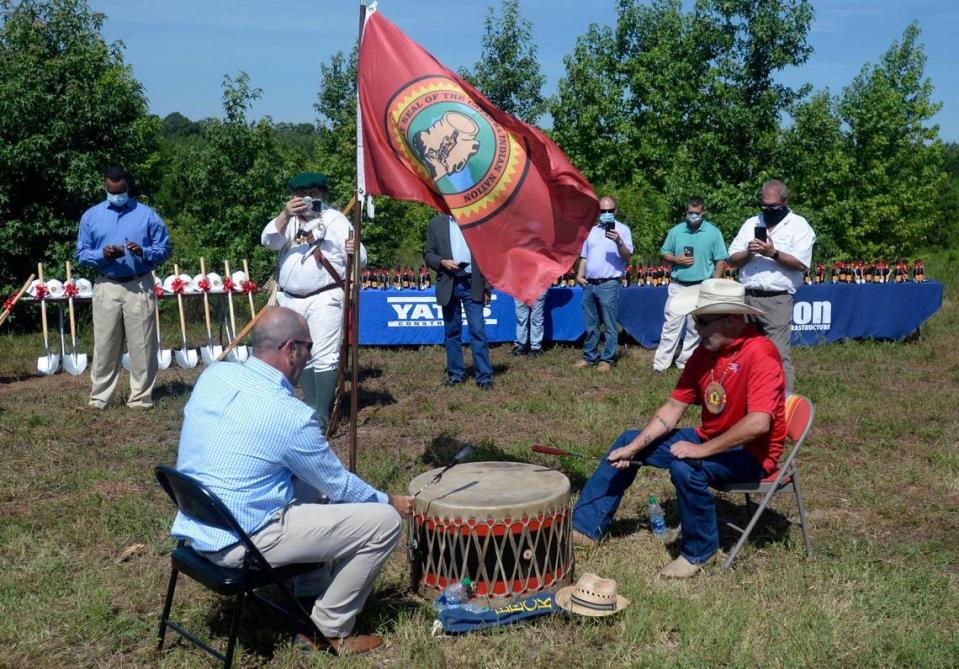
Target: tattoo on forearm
664,423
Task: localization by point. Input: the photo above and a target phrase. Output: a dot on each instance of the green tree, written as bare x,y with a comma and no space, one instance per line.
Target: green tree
897,154
507,72
69,107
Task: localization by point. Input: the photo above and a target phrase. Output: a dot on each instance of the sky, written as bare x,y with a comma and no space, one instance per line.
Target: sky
180,49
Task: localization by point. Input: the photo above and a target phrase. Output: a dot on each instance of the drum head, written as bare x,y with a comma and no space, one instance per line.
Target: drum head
491,490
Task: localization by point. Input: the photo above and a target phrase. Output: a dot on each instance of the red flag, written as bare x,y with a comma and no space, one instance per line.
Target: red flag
431,137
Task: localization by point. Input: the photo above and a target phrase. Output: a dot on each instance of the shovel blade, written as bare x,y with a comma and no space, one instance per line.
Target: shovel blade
75,363
125,361
210,354
48,364
238,354
164,358
186,358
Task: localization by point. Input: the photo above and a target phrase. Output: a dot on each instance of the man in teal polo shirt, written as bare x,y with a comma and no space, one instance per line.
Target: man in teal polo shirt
696,251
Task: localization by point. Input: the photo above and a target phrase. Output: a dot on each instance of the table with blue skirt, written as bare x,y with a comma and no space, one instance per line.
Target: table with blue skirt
822,313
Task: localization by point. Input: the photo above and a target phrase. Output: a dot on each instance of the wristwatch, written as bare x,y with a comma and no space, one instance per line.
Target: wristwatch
775,256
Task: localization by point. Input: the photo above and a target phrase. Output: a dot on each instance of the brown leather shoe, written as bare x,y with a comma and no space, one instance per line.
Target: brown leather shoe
579,364
603,367
356,644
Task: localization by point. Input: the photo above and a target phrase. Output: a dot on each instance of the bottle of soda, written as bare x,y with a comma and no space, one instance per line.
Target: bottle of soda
457,592
657,519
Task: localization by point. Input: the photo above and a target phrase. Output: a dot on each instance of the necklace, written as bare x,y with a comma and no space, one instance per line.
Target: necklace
714,397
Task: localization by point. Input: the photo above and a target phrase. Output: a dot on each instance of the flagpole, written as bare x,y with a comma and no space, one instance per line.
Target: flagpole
355,287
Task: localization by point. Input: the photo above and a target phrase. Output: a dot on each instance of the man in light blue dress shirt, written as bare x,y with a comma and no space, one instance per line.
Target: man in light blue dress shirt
261,451
606,250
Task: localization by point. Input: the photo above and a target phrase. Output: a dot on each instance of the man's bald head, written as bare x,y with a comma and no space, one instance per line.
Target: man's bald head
606,203
276,326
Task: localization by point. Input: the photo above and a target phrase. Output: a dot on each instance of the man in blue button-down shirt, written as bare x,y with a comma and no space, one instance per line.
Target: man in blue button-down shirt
124,240
261,451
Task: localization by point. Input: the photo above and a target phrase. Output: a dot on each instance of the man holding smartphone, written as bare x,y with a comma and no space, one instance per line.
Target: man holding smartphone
772,250
314,242
696,251
124,240
605,253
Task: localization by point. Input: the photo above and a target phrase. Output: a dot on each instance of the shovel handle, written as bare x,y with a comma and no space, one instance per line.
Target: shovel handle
16,298
43,311
246,270
73,323
179,303
156,313
206,304
229,300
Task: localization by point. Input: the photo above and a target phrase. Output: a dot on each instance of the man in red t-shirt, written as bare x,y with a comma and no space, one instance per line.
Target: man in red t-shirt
736,375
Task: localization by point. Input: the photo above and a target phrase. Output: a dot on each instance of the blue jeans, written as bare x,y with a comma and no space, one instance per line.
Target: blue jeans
692,477
600,306
453,326
529,323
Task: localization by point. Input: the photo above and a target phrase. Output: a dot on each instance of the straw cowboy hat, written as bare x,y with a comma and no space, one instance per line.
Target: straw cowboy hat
592,596
712,296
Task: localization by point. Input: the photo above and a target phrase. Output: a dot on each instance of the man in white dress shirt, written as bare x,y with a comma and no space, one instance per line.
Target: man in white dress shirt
772,269
313,241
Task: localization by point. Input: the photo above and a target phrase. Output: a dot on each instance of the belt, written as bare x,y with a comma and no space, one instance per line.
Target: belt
121,279
596,282
754,292
686,283
302,296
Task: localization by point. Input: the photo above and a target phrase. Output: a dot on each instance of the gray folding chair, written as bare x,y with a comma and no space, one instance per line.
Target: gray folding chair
799,419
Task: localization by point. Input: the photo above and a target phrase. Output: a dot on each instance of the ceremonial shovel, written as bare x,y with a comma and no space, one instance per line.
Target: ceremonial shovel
185,357
164,357
209,352
46,364
75,363
239,353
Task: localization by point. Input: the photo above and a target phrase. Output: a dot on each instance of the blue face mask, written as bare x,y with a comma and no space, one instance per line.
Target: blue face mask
117,199
607,218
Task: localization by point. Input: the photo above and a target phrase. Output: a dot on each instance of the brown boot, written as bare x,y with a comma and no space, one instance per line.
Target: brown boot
580,539
356,644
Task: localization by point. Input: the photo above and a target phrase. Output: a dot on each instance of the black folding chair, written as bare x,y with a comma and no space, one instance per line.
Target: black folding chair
195,500
799,419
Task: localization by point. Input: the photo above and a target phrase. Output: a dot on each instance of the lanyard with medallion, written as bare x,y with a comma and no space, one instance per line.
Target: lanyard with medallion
714,397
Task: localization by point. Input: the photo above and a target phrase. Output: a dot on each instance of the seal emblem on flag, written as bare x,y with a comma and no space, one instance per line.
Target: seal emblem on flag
455,147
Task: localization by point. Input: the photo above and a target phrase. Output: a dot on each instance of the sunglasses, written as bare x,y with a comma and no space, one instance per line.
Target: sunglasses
607,211
703,322
308,344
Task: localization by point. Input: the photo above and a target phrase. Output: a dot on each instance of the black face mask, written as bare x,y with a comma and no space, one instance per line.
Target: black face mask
773,215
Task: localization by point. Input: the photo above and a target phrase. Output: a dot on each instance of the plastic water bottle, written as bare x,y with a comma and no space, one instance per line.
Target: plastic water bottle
657,519
457,592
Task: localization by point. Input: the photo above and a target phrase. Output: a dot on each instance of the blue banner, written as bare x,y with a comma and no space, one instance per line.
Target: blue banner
821,314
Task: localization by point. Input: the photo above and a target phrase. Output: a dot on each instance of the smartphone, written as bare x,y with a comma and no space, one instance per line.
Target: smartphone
688,251
760,233
462,264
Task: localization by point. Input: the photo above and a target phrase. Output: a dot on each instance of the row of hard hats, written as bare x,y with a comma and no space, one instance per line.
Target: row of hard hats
55,287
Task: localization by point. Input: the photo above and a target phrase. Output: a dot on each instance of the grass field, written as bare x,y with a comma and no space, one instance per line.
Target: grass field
881,482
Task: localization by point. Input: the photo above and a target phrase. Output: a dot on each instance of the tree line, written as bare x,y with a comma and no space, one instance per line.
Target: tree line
667,103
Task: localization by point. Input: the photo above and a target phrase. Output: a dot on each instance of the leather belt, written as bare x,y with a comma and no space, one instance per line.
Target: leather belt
303,296
121,279
596,282
755,292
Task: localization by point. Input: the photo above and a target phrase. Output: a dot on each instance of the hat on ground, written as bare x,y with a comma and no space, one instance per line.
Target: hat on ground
592,596
712,296
309,180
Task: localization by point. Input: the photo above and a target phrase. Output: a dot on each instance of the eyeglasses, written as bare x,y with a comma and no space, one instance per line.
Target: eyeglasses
767,207
308,344
703,322
607,211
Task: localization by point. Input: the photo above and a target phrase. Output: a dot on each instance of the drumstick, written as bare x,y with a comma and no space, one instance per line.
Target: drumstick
463,453
552,450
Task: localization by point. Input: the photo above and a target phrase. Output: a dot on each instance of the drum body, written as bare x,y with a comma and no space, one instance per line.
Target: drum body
505,525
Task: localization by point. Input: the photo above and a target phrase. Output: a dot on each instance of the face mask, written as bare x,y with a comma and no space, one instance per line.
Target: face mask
774,215
694,219
117,199
607,218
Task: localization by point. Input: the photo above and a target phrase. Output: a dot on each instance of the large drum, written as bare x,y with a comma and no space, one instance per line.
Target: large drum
505,525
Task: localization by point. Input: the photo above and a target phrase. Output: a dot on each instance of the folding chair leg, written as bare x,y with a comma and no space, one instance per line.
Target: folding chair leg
802,514
749,528
234,629
167,605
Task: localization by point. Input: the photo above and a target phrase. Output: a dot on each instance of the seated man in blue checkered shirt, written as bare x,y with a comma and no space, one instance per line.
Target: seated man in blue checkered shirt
259,448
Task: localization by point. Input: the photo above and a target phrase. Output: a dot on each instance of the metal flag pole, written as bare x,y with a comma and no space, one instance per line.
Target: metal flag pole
353,331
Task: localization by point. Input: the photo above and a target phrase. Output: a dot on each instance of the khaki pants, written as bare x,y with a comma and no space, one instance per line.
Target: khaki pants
672,329
776,324
124,307
356,538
